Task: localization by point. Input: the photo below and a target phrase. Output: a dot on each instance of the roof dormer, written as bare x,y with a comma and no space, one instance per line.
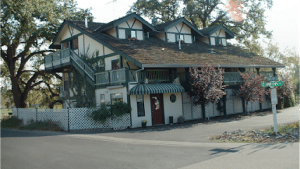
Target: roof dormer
179,29
131,26
216,35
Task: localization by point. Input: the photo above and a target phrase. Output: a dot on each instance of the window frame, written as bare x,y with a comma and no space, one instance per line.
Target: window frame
111,98
142,102
114,61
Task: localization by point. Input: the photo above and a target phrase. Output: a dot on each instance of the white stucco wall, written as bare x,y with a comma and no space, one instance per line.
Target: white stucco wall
107,93
185,29
219,33
137,121
172,109
67,32
169,108
91,46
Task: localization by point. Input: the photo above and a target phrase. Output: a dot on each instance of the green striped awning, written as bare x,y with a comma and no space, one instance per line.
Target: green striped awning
156,88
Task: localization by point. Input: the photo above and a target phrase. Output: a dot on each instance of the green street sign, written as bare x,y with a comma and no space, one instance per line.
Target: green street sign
272,84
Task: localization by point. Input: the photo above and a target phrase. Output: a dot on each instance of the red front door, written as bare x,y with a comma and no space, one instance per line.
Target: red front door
157,109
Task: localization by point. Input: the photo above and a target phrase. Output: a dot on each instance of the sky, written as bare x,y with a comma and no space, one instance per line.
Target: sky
282,19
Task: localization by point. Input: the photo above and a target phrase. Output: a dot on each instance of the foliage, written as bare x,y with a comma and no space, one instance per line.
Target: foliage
120,108
26,32
144,121
250,88
106,111
84,92
11,122
245,18
46,125
101,114
286,129
289,58
287,88
206,84
163,11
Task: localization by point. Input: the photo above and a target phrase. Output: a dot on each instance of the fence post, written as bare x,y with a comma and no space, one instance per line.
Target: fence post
17,112
68,119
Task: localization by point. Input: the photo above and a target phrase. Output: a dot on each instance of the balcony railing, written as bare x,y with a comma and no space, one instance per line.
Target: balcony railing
65,56
232,77
57,58
158,75
111,77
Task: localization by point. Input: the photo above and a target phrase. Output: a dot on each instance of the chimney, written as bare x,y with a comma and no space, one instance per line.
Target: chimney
86,21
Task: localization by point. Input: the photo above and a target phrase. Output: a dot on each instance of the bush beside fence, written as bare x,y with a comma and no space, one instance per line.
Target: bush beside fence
71,119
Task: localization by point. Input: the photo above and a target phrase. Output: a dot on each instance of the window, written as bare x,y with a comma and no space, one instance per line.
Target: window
102,98
116,97
75,43
140,105
133,34
64,45
115,64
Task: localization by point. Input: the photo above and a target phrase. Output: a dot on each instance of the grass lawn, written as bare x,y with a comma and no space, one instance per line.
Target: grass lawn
4,112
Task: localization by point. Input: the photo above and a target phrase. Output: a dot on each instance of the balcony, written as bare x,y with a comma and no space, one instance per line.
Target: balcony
235,77
57,59
67,57
111,77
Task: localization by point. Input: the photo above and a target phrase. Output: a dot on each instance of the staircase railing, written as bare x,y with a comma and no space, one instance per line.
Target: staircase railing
89,71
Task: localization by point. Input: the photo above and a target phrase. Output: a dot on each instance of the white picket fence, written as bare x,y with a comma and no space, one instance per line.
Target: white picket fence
234,105
71,119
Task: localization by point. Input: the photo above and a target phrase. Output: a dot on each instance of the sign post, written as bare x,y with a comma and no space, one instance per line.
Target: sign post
274,100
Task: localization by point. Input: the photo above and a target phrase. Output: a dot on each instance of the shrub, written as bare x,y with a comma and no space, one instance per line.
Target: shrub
106,111
11,122
42,125
120,108
101,114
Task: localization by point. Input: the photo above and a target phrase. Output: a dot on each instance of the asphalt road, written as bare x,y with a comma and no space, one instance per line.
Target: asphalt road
173,148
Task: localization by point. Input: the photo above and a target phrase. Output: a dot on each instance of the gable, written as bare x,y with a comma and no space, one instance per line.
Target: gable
132,23
219,33
65,32
180,28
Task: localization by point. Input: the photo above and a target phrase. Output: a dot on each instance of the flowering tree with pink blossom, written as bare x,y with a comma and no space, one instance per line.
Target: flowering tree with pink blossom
250,88
206,85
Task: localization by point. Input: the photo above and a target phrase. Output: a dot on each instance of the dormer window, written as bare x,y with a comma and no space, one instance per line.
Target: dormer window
220,41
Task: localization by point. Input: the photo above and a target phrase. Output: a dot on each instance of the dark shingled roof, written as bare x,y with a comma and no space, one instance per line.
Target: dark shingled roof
206,31
154,51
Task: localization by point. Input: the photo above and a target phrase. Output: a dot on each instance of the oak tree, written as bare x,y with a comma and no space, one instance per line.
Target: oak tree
27,29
